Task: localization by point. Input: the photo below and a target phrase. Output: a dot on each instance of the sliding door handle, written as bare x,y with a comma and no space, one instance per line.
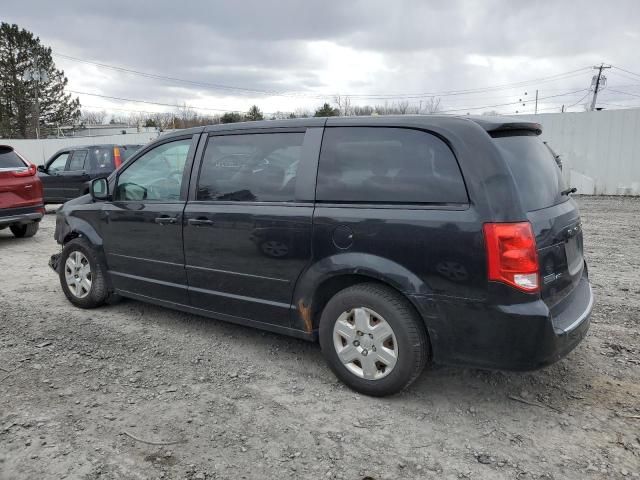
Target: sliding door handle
166,220
200,222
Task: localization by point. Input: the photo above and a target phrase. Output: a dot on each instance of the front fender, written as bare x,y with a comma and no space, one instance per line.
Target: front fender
70,221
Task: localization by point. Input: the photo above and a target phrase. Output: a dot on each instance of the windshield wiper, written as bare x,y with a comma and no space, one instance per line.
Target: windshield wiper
569,191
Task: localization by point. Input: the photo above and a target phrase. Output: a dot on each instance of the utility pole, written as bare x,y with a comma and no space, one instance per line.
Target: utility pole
598,80
37,75
536,111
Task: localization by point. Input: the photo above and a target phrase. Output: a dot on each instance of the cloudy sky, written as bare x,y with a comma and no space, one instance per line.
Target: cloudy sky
475,56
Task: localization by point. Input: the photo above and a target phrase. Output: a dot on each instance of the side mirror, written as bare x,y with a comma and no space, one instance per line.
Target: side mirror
42,168
100,189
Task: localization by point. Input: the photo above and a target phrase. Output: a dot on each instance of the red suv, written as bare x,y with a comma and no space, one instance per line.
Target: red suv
21,206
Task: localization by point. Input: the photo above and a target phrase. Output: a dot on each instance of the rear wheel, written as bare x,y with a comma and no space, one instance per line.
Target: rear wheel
373,339
83,275
28,230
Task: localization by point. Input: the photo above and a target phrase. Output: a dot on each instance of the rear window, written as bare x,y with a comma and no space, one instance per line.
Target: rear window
387,165
534,169
10,159
101,160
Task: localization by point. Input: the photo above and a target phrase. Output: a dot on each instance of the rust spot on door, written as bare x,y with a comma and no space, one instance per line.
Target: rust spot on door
307,316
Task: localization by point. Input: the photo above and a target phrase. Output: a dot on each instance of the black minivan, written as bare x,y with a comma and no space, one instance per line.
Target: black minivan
394,241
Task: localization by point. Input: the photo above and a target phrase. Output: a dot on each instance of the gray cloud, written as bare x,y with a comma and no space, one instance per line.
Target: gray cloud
357,47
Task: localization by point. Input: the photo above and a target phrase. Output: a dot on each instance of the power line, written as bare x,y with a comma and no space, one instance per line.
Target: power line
624,93
223,110
149,102
516,103
627,71
268,113
585,96
484,89
551,78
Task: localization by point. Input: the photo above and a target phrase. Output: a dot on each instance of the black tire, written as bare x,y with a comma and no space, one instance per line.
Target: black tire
24,231
408,328
99,293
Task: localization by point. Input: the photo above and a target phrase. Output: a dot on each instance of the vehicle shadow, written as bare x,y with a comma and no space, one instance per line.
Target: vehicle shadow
7,238
440,384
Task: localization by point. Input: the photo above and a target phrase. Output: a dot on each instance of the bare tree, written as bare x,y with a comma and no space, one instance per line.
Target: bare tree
93,117
344,105
279,115
302,113
403,107
363,111
432,105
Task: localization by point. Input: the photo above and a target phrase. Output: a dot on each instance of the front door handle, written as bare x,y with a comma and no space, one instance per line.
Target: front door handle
200,222
165,220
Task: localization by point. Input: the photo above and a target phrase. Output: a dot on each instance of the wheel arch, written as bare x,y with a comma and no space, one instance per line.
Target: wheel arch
76,227
330,275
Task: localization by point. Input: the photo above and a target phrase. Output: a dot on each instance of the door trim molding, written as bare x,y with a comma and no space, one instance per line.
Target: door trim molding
194,267
142,259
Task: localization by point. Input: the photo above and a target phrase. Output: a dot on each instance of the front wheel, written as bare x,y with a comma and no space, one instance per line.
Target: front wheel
83,275
373,339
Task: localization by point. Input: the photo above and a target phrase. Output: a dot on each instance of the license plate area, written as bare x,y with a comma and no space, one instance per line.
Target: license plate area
573,252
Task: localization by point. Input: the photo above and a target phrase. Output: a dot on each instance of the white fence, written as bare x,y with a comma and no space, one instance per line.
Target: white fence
600,150
38,151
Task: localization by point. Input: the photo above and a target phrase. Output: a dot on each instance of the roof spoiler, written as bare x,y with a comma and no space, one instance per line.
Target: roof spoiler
497,124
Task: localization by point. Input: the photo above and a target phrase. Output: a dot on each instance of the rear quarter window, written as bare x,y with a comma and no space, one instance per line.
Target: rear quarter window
534,169
387,165
10,159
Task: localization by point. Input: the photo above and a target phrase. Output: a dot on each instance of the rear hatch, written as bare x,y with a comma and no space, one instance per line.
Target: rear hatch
553,214
19,184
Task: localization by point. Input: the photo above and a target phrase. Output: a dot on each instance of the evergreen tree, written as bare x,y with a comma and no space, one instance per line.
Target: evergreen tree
327,111
231,117
254,113
31,88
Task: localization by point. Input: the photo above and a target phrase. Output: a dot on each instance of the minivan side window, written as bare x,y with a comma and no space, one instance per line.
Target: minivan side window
156,175
77,160
387,165
258,167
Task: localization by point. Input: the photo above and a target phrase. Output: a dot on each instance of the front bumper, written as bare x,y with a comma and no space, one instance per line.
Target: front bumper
20,216
510,337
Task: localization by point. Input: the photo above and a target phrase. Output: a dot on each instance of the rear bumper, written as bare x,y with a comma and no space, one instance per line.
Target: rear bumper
510,337
20,216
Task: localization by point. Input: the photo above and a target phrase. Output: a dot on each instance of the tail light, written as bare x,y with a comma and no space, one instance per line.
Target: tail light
512,256
117,160
30,171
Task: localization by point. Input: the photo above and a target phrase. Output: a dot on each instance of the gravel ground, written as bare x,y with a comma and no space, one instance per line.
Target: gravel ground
76,386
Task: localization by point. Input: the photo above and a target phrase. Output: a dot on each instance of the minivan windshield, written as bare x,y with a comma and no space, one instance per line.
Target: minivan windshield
534,169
